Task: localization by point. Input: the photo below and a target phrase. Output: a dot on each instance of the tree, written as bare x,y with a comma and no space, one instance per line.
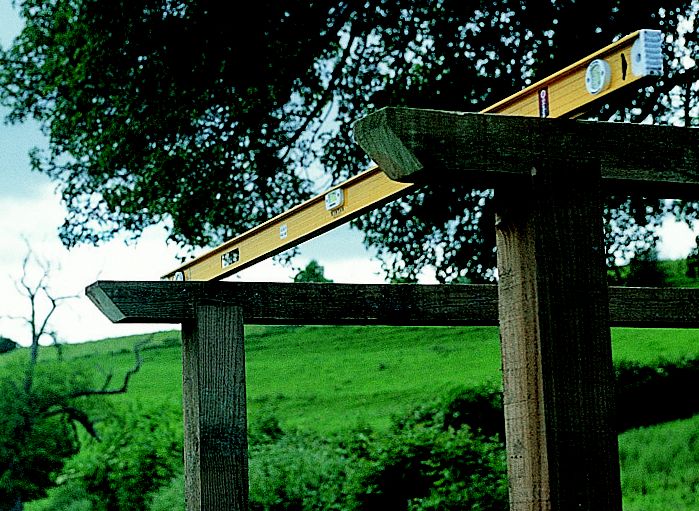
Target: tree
645,271
313,272
7,345
194,113
42,405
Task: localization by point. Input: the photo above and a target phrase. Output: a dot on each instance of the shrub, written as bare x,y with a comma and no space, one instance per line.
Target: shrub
72,497
644,270
648,395
7,345
298,472
169,497
479,408
138,453
425,467
37,437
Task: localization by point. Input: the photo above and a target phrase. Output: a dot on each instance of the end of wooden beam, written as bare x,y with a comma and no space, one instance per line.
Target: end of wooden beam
374,134
98,295
488,150
143,302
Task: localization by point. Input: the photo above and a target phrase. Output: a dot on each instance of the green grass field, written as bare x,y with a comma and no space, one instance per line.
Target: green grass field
330,379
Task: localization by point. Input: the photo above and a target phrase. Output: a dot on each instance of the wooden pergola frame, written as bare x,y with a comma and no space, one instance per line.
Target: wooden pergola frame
552,302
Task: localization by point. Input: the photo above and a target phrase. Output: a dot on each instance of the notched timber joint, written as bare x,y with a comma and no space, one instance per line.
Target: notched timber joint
490,150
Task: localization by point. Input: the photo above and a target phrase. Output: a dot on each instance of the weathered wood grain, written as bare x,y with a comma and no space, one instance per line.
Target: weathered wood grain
558,378
304,303
370,304
215,417
430,146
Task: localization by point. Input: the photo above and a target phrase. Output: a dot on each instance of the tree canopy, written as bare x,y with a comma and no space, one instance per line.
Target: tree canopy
214,119
313,272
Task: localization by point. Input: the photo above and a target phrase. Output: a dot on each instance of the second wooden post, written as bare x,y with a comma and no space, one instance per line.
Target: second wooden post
215,418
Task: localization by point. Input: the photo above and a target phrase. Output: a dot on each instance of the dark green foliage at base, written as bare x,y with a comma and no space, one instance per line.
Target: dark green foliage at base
137,453
170,497
650,395
298,472
38,430
417,465
426,467
7,345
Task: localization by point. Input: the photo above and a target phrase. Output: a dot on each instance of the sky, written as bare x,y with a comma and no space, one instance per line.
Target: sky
31,212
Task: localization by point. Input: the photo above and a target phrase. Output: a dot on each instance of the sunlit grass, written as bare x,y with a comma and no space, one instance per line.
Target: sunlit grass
660,467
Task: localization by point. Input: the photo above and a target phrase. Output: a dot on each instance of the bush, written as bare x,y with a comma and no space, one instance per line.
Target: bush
648,395
644,270
298,472
37,437
7,345
138,453
72,497
426,467
170,497
479,408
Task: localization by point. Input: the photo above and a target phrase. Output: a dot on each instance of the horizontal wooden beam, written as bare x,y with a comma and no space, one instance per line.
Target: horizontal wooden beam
365,304
431,146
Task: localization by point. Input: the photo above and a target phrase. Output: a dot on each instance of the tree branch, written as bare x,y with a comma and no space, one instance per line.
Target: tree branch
76,415
104,391
326,95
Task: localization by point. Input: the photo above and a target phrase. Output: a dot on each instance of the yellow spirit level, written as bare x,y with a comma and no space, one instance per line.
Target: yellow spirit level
567,93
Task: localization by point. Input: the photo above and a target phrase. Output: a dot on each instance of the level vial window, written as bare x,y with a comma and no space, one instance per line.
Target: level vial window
230,258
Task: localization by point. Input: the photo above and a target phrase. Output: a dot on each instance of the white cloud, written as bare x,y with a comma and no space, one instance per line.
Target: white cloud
676,239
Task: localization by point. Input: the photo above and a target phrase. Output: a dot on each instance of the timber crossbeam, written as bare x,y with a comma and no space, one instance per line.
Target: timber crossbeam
487,151
366,304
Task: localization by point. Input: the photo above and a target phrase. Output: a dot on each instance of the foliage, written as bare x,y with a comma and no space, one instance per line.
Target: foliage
427,467
161,110
477,408
644,270
7,345
137,453
416,465
169,497
39,429
64,498
313,272
298,472
652,394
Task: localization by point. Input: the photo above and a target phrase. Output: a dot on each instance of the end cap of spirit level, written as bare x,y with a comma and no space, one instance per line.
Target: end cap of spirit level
647,54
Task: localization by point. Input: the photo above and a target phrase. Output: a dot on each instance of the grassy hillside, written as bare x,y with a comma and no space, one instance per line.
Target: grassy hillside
330,378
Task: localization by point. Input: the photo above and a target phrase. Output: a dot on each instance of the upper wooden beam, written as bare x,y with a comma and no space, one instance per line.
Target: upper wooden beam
370,304
429,146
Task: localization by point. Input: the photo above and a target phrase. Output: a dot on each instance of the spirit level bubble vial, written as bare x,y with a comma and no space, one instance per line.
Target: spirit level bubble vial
334,199
598,76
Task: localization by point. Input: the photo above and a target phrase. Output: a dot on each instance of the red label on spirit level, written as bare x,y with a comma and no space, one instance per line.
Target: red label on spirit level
544,102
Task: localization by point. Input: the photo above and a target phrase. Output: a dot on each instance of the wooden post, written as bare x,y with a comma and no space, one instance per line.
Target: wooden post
215,418
556,349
